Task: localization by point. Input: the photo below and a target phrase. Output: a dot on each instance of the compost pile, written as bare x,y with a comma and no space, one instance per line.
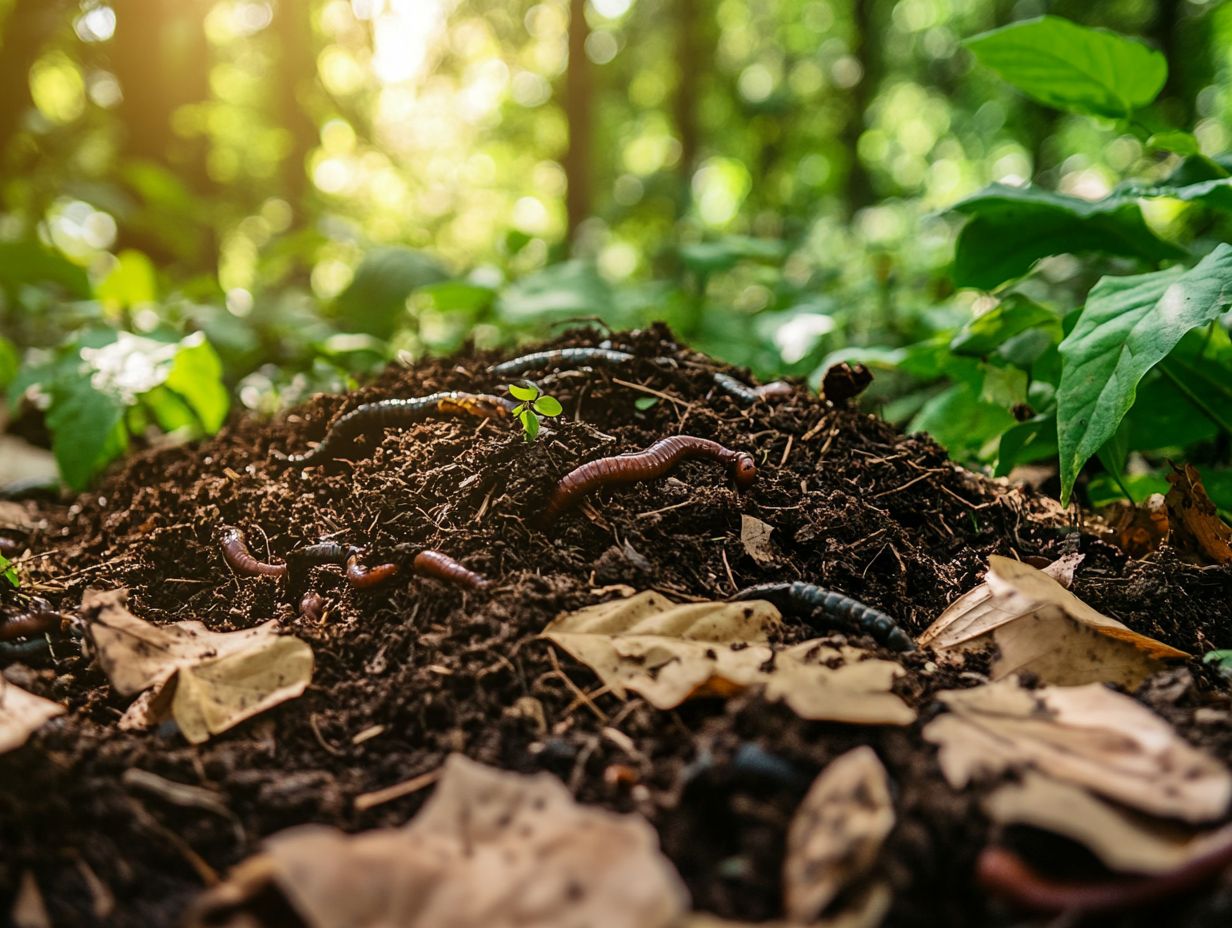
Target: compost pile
113,824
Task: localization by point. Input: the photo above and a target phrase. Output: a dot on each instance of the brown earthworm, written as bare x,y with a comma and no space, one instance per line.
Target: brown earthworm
656,461
312,607
374,418
38,621
363,577
557,357
429,563
235,552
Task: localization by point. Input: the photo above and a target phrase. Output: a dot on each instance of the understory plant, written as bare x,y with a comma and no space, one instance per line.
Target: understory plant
534,404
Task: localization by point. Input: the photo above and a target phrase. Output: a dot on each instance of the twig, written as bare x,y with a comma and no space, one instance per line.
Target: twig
366,801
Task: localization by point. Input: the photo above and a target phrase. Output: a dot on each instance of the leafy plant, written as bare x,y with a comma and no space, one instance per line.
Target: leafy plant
1221,659
535,403
8,572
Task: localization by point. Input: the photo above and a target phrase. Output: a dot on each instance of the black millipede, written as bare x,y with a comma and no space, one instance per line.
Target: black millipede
235,552
750,395
558,357
808,600
374,418
656,461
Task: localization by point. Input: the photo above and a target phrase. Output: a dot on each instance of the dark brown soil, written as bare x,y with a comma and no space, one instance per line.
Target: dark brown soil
855,505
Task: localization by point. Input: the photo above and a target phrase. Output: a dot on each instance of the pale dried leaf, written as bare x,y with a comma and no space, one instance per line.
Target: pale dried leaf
21,714
1087,735
668,652
1034,624
755,536
29,910
19,516
207,681
1123,840
836,834
490,849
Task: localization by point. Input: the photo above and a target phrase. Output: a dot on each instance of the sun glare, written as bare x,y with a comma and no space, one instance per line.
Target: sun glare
404,32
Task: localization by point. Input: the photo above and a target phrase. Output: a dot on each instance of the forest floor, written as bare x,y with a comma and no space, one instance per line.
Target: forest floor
414,670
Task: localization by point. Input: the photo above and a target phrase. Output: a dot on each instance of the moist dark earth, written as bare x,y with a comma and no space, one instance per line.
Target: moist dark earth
411,671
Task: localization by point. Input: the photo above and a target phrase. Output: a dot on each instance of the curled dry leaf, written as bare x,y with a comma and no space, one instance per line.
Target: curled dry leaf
837,833
1195,522
490,849
668,652
21,714
1037,625
1087,735
755,536
207,681
1139,530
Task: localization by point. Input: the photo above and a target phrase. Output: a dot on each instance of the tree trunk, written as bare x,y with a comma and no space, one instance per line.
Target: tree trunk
689,34
578,102
292,26
27,30
865,46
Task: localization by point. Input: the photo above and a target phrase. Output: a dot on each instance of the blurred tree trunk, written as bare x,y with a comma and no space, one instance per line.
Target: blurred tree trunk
578,103
690,38
866,38
292,26
26,31
1188,57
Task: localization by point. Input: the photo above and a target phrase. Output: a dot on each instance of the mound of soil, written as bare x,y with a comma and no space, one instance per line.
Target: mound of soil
413,670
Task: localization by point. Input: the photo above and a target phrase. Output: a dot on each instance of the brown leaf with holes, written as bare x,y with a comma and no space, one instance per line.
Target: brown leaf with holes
669,652
1139,530
22,714
1032,623
1090,736
755,536
490,849
1196,525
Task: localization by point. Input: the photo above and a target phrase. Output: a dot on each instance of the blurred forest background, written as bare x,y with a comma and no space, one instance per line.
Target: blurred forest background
313,188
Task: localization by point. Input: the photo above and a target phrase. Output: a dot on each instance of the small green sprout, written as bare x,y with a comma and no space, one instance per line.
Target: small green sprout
535,403
1221,659
8,572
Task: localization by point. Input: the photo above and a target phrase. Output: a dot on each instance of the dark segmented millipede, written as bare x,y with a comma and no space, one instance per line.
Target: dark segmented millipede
656,461
429,563
363,577
557,357
235,552
808,599
10,546
374,418
750,395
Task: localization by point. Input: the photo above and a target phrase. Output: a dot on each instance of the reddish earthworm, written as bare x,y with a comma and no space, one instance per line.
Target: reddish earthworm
28,624
815,603
1003,872
363,577
429,563
235,552
656,461
557,357
312,607
374,418
750,395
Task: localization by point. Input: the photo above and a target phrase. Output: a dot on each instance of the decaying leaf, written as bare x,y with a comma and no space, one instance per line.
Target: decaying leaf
1037,625
668,652
837,833
21,714
755,536
490,849
1087,735
1139,530
1123,840
1195,522
207,681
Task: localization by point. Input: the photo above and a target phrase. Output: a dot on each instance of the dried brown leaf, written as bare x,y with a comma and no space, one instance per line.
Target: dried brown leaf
1037,625
22,714
837,833
1139,530
755,536
490,849
1195,521
668,652
1087,735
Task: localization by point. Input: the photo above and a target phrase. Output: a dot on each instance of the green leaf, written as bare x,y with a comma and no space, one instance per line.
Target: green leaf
1128,325
1013,227
961,421
375,300
1004,386
1222,659
1015,314
560,291
1115,450
530,425
131,281
645,402
529,393
196,376
548,406
722,254
10,361
30,263
87,428
1070,67
1027,442
452,296
1181,143
8,572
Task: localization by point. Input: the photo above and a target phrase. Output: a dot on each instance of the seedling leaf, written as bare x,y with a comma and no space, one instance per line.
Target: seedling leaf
548,406
527,392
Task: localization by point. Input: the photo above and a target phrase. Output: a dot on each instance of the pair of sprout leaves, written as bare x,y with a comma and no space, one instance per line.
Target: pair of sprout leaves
534,403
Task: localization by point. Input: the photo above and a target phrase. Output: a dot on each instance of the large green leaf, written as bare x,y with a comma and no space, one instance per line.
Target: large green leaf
31,263
196,376
961,421
1013,227
1012,316
375,300
1129,325
559,291
1072,67
87,428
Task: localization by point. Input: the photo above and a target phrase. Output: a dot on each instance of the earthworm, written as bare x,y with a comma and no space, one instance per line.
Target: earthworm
656,461
807,598
374,418
749,395
363,577
559,356
41,617
1002,871
312,607
10,546
429,563
235,552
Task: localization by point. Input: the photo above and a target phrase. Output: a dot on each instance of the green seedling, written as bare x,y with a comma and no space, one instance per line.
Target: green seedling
535,403
8,572
1221,659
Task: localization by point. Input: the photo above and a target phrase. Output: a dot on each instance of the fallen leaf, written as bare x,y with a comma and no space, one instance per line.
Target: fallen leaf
207,681
755,536
836,834
668,652
22,714
17,516
29,910
1123,840
1139,530
489,849
1195,521
1034,624
1087,735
